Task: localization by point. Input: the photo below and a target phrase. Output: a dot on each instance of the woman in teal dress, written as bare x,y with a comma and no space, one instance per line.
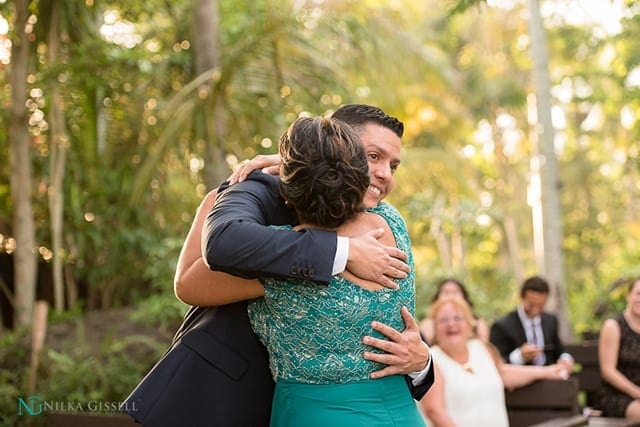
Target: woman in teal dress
314,336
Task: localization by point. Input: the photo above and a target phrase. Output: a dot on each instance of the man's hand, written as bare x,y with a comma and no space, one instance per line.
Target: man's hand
268,163
530,351
371,260
404,352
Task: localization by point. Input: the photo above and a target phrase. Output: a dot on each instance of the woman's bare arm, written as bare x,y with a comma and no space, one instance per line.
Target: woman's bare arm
514,376
433,404
194,283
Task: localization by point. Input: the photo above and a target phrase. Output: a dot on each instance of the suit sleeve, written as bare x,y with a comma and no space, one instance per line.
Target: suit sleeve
238,241
558,347
500,339
418,391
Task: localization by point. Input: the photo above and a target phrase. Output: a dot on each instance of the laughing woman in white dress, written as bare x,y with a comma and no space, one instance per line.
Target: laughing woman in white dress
470,376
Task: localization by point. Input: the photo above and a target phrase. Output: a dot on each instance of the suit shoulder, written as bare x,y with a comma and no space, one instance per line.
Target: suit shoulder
507,320
258,184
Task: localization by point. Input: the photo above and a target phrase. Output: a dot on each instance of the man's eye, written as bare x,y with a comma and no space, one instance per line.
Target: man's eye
373,156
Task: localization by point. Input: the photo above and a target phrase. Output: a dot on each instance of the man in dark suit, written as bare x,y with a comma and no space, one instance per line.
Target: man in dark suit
528,335
216,371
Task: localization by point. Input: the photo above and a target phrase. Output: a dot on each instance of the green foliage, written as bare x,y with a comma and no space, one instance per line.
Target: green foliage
8,398
164,310
77,371
161,263
460,6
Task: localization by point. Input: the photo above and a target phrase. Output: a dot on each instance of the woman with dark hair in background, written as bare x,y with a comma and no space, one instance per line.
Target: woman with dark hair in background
452,287
619,355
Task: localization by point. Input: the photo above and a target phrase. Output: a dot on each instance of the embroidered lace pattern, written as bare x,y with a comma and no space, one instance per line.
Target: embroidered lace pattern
314,332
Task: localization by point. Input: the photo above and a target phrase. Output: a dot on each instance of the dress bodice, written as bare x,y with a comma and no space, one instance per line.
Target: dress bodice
628,360
314,332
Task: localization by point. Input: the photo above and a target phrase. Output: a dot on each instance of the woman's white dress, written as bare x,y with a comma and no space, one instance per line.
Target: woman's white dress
474,398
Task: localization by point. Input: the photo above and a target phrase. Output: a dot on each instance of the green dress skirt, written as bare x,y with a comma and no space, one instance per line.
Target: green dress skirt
367,403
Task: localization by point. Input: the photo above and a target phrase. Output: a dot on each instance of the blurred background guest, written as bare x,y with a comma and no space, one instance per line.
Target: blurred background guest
470,375
619,356
452,287
528,335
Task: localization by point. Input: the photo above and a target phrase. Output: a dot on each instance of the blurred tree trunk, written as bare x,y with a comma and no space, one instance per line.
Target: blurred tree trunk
553,268
20,171
57,159
210,122
506,185
436,230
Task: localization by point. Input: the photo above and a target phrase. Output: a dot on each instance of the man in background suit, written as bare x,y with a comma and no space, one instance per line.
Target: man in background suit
528,335
216,371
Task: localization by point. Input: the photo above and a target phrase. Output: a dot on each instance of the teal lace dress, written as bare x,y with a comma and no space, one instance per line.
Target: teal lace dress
314,337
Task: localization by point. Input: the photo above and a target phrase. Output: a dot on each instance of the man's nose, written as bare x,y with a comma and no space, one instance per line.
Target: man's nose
383,172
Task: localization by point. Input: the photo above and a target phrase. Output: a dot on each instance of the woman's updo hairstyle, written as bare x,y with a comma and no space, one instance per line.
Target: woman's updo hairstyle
324,173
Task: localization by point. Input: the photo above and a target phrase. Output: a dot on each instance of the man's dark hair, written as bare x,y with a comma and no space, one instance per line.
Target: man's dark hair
358,115
324,173
535,284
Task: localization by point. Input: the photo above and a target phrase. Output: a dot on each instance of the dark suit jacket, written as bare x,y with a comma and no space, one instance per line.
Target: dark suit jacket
237,241
216,372
508,333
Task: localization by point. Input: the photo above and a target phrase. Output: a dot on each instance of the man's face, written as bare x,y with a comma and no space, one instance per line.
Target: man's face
533,303
383,154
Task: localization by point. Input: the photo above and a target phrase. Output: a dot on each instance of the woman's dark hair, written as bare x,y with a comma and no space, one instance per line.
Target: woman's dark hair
458,283
324,173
